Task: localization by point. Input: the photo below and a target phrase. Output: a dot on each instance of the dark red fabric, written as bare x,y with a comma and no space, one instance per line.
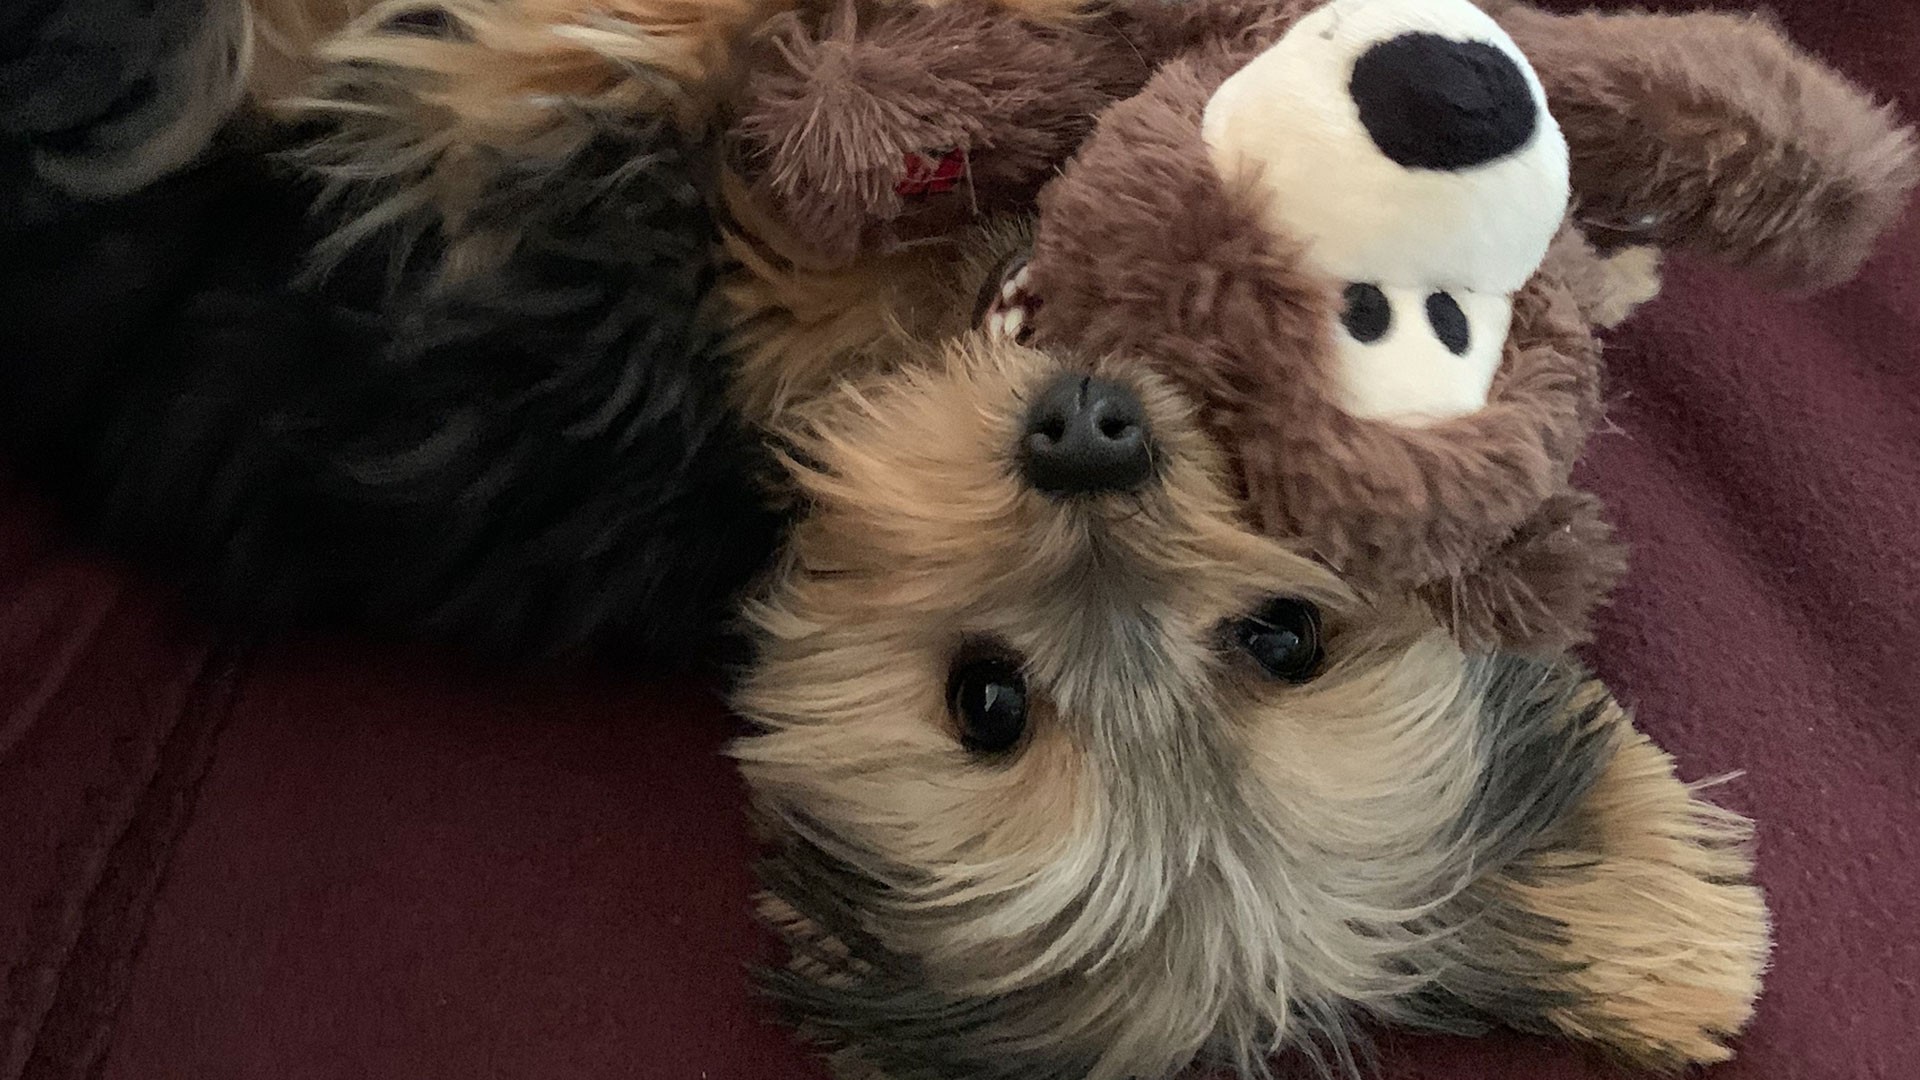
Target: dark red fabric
397,867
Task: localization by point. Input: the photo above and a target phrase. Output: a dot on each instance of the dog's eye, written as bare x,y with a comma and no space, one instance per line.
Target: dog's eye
1283,637
988,699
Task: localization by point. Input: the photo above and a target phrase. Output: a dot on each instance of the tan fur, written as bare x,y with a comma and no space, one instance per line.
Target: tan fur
1668,938
496,86
1607,287
287,36
1180,854
432,119
1629,278
799,325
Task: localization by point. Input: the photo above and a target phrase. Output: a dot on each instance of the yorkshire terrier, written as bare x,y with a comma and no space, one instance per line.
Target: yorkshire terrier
398,358
1068,772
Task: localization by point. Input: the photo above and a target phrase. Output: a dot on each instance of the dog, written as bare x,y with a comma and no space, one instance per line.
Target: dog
328,372
1068,772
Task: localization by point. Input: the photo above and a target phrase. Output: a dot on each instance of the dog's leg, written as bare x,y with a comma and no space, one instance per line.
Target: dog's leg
428,105
1636,926
797,326
105,97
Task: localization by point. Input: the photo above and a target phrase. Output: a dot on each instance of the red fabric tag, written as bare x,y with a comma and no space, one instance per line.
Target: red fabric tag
932,174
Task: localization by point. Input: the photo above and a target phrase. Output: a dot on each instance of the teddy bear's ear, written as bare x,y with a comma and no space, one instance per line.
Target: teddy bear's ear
1714,133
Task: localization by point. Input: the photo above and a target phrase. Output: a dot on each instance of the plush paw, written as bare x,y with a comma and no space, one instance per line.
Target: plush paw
1631,277
864,133
1007,304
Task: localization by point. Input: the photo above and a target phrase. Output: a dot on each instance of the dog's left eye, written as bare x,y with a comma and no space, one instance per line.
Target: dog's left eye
988,699
1283,637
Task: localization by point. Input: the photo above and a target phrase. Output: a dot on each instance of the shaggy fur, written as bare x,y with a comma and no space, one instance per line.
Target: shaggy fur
100,97
799,324
286,42
1713,132
532,457
838,99
425,103
1182,859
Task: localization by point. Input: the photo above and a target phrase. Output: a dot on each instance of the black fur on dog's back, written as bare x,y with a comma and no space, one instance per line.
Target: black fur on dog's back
535,460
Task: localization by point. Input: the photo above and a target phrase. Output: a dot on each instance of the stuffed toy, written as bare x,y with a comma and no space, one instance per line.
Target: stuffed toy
427,363
1375,240
866,125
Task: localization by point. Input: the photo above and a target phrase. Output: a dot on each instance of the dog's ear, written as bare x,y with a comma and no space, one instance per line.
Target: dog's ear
1713,132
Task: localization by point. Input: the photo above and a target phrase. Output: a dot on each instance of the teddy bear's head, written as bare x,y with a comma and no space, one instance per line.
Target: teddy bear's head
1355,236
1407,147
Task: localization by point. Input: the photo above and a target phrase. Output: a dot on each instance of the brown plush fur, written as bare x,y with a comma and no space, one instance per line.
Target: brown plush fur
1143,249
435,112
1181,858
838,98
1713,132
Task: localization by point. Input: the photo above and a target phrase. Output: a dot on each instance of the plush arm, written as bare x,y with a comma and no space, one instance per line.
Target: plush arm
1713,132
1538,591
886,121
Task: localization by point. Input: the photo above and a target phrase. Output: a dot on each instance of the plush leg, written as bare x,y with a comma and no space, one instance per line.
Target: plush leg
1713,132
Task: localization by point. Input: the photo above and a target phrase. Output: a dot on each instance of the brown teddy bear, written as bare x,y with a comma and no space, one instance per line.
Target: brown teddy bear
1374,238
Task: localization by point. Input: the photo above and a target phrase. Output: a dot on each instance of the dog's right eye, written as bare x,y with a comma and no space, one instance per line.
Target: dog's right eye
1283,637
988,700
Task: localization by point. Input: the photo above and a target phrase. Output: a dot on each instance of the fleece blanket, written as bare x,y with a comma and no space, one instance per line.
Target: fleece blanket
327,862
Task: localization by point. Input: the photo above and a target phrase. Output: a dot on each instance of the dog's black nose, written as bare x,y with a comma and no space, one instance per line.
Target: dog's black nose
1430,102
1085,436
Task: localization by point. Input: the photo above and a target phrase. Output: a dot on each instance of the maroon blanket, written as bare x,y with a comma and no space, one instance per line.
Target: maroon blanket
329,862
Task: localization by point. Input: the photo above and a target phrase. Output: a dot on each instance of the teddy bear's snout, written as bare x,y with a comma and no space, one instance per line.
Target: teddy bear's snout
1432,102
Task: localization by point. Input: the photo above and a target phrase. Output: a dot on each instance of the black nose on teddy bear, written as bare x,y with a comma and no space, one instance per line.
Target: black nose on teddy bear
1430,102
1085,436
